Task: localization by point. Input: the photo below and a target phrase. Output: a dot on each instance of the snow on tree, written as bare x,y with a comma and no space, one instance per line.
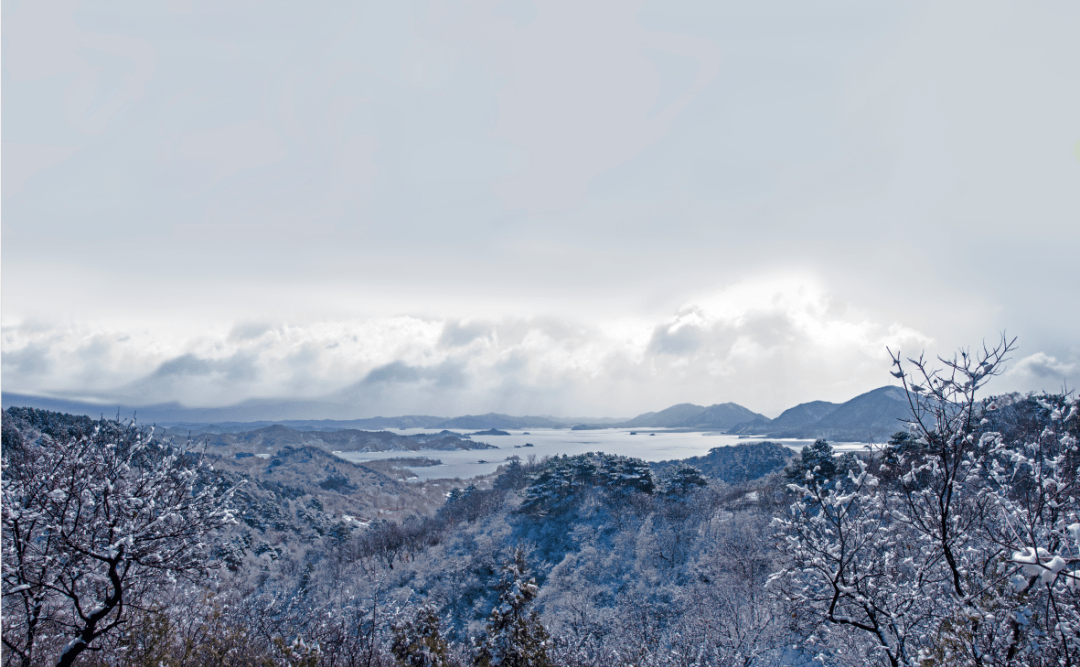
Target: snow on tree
958,548
1034,491
93,526
564,478
514,636
624,474
819,463
419,643
684,479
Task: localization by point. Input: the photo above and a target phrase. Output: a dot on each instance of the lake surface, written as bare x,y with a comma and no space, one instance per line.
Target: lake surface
649,444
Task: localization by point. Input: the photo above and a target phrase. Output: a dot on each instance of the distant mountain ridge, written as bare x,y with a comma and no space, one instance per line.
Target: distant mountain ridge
252,415
869,417
872,416
688,415
803,415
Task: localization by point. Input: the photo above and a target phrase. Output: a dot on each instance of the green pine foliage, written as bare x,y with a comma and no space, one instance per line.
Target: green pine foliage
564,478
514,636
419,641
683,480
819,464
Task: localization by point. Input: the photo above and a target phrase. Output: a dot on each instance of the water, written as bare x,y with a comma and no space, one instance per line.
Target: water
648,444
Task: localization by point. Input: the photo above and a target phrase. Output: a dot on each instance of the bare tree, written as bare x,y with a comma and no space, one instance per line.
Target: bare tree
93,526
965,553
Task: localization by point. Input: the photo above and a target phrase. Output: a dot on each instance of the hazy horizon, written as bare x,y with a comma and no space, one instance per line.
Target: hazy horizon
574,209
268,410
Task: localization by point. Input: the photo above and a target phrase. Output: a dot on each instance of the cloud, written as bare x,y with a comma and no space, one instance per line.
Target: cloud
767,343
456,334
30,360
332,168
1044,366
446,375
392,373
675,339
248,330
240,367
187,364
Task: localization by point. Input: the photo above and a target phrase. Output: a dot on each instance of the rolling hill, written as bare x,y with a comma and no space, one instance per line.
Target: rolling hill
687,415
270,439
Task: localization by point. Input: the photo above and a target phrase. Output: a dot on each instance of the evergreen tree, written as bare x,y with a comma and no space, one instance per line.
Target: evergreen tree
684,479
514,636
563,480
624,474
902,444
419,642
818,463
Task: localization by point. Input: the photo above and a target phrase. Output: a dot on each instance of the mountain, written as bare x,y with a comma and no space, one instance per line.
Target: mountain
255,414
752,427
673,417
726,415
874,415
497,421
869,417
255,410
803,415
369,424
687,415
736,464
882,408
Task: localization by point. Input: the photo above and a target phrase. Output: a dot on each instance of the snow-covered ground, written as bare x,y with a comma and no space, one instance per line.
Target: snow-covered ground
647,444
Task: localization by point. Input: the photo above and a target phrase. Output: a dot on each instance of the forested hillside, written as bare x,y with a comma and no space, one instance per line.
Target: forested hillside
736,464
958,543
269,439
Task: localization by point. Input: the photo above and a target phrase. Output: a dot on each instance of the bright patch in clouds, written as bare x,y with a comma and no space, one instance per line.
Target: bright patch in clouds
767,344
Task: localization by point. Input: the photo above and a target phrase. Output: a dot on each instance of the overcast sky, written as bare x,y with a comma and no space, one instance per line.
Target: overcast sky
568,208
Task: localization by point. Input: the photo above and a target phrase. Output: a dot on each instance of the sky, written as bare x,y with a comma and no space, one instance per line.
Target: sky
565,208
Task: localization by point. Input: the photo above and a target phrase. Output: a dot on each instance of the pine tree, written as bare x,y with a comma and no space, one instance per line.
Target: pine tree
819,464
684,479
419,642
514,636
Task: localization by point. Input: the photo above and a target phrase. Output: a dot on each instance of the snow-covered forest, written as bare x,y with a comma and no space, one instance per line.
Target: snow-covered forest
957,543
